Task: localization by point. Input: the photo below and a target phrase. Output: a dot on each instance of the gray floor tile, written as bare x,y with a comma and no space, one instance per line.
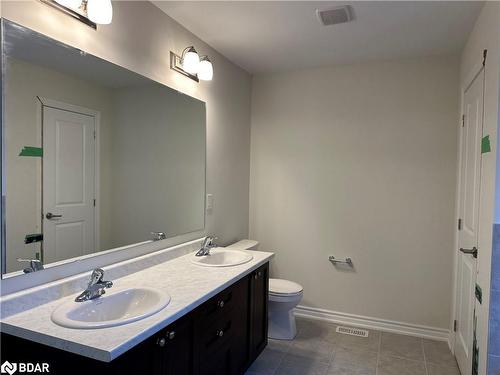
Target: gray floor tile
314,349
267,362
341,370
442,370
398,366
401,346
297,365
279,345
360,360
370,343
438,353
314,329
319,350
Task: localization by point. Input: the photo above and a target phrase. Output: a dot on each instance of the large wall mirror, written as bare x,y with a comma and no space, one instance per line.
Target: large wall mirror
95,157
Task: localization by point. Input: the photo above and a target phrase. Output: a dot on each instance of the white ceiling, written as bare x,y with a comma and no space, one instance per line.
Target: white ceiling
269,36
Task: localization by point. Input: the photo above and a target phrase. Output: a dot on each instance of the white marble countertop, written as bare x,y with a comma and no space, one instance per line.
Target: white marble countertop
189,285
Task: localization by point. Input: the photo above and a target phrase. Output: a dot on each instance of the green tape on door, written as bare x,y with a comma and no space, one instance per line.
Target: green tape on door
485,144
31,151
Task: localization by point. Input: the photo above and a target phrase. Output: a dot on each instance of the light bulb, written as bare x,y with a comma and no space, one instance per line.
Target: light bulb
205,69
100,11
71,4
190,61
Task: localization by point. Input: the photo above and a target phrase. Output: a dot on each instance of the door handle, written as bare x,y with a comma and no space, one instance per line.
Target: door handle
51,216
472,251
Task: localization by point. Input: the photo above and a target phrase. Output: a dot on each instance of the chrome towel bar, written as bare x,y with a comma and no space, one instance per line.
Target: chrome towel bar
347,261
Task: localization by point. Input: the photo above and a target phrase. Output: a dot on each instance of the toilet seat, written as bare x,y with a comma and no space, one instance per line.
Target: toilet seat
284,288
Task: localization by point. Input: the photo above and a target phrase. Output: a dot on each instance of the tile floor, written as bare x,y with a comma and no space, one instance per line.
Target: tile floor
319,350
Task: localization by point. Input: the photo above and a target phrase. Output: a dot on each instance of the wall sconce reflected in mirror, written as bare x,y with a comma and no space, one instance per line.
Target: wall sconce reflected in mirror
191,65
90,12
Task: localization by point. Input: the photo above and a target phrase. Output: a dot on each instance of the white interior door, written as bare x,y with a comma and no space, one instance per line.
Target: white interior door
469,214
68,184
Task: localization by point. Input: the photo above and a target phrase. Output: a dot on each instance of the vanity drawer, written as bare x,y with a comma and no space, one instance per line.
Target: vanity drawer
234,297
215,335
230,329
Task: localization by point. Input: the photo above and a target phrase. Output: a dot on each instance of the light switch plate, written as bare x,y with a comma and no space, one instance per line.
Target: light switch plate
210,203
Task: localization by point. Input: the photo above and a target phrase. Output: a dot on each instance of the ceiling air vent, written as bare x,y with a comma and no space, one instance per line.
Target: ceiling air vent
333,16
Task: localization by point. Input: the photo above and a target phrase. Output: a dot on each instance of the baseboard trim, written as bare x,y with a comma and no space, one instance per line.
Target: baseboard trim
373,323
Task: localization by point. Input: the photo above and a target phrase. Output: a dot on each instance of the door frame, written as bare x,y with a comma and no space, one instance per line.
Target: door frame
51,103
476,70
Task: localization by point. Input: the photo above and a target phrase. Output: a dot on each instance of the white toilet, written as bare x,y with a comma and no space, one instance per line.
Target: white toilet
284,295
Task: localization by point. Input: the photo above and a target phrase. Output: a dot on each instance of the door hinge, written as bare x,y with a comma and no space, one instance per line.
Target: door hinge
94,134
94,202
485,54
454,326
459,224
463,121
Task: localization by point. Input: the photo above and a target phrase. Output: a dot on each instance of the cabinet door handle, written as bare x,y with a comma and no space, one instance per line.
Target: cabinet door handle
171,335
220,304
220,333
161,342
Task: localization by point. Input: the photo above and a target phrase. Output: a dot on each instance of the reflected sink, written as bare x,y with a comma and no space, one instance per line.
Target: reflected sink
113,309
220,257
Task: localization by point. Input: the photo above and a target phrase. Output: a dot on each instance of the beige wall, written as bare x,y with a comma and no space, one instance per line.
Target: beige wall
360,161
144,48
485,35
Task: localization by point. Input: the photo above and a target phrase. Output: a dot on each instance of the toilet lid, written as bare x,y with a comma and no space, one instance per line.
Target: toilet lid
280,286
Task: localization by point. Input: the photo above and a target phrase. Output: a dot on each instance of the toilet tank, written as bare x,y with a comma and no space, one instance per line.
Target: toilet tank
244,245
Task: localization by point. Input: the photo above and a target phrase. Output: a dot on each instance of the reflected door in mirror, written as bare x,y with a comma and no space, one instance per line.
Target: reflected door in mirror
68,184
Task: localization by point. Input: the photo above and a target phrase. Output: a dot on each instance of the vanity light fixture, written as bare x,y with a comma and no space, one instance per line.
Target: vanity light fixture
205,69
190,60
90,12
191,65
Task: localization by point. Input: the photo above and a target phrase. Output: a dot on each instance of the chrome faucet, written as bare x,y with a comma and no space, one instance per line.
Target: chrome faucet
35,265
158,236
96,287
208,244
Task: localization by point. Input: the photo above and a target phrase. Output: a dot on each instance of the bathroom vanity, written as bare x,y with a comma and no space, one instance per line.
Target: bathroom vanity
222,335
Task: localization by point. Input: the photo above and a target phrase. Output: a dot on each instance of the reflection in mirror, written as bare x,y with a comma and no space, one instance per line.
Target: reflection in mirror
95,157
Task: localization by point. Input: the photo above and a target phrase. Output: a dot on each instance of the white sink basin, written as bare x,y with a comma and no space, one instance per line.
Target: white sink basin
113,309
220,257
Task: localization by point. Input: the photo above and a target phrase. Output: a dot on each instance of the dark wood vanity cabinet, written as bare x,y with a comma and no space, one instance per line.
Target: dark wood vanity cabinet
259,287
223,336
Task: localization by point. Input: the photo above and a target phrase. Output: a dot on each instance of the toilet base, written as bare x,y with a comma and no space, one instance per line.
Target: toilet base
282,325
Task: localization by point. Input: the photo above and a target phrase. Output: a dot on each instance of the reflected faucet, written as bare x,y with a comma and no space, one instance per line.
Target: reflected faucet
208,244
96,286
158,236
35,265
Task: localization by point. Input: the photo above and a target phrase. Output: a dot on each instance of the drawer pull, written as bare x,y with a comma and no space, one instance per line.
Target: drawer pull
220,333
161,342
171,335
220,304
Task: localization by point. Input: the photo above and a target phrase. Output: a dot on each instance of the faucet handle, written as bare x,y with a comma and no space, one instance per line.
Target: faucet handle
158,236
35,265
212,241
96,277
